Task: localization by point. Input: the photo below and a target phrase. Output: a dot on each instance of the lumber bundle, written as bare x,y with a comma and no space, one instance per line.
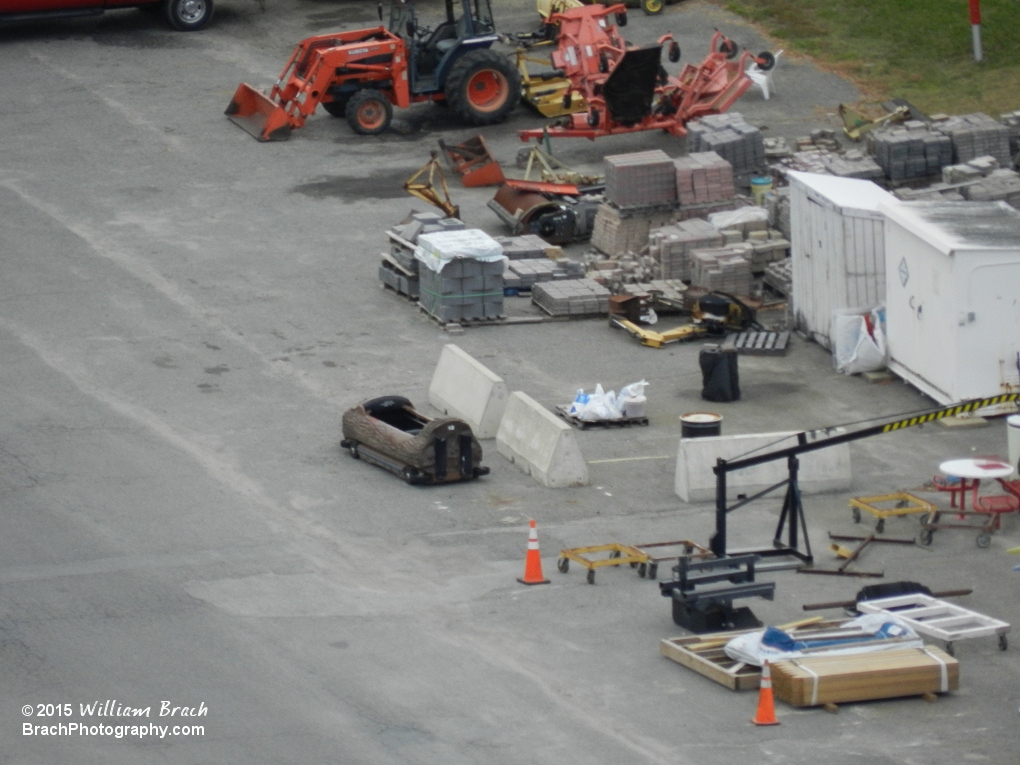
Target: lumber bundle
818,680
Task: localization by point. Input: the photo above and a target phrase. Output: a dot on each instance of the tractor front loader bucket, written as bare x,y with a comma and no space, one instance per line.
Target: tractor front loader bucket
473,162
257,114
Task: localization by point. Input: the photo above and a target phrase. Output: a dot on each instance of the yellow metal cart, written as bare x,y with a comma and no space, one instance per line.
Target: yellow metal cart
636,555
885,506
617,555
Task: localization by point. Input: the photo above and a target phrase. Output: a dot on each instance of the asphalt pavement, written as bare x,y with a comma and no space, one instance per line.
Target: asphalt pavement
185,314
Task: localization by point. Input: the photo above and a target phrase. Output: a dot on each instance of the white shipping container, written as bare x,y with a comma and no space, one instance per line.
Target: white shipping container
838,249
953,297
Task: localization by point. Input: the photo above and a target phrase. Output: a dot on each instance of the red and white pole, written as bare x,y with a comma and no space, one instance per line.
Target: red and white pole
975,27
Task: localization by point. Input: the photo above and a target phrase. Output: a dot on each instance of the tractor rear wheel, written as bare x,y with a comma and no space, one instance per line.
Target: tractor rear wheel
369,112
483,87
653,7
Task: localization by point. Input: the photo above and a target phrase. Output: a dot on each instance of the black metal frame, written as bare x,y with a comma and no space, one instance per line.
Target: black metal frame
792,515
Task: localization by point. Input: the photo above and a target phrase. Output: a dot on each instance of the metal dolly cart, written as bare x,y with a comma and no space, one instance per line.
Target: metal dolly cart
932,522
691,550
938,619
636,555
618,555
902,504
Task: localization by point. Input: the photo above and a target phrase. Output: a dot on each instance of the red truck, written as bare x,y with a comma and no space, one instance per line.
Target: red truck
185,15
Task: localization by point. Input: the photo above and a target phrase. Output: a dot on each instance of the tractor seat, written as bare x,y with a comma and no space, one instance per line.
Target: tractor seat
456,33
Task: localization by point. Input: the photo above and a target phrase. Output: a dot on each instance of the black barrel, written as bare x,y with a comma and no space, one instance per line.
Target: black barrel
698,424
720,380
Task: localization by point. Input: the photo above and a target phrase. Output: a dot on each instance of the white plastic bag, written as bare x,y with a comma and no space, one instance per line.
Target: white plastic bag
634,390
858,342
600,405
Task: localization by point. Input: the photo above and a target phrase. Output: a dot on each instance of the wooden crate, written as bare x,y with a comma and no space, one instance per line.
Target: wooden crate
705,655
818,680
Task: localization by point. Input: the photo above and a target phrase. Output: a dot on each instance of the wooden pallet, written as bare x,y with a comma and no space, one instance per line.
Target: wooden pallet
760,343
623,422
705,655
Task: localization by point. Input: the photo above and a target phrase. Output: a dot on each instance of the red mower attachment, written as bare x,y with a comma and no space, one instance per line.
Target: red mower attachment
627,90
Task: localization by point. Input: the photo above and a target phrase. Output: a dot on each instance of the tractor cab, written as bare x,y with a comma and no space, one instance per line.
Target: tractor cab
468,24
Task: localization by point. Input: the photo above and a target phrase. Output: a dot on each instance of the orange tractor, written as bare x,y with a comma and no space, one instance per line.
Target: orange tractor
360,75
626,89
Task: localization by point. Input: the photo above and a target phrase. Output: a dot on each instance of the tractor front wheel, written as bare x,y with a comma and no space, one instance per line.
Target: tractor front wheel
369,112
483,87
653,7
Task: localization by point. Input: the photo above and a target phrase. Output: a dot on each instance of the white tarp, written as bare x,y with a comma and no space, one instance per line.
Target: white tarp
871,632
437,249
728,218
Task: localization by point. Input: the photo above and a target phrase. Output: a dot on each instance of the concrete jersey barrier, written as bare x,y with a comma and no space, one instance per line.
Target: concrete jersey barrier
540,443
462,387
821,471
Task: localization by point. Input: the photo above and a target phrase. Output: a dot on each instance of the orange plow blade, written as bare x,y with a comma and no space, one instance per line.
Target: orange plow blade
257,114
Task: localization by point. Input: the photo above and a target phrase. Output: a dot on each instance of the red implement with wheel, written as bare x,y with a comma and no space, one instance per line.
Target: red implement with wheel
627,89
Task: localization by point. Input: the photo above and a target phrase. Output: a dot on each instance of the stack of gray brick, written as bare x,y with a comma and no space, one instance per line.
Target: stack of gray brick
525,273
725,268
779,276
912,150
981,180
974,135
398,281
525,246
456,283
413,226
1012,123
670,247
729,136
777,203
640,179
571,297
615,232
703,176
854,164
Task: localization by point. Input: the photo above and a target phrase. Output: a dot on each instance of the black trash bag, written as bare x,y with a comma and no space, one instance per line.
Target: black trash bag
719,378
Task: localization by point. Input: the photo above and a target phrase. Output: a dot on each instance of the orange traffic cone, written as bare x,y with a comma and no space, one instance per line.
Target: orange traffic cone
766,707
533,561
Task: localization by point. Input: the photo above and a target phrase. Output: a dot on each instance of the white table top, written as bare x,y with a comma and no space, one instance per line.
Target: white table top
976,468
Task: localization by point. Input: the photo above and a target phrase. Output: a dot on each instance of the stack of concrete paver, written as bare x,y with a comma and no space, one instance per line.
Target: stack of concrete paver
403,237
616,232
777,203
912,150
749,226
725,268
975,135
526,246
460,275
399,268
640,179
571,297
525,273
852,164
779,276
981,180
1012,123
703,177
729,136
671,246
